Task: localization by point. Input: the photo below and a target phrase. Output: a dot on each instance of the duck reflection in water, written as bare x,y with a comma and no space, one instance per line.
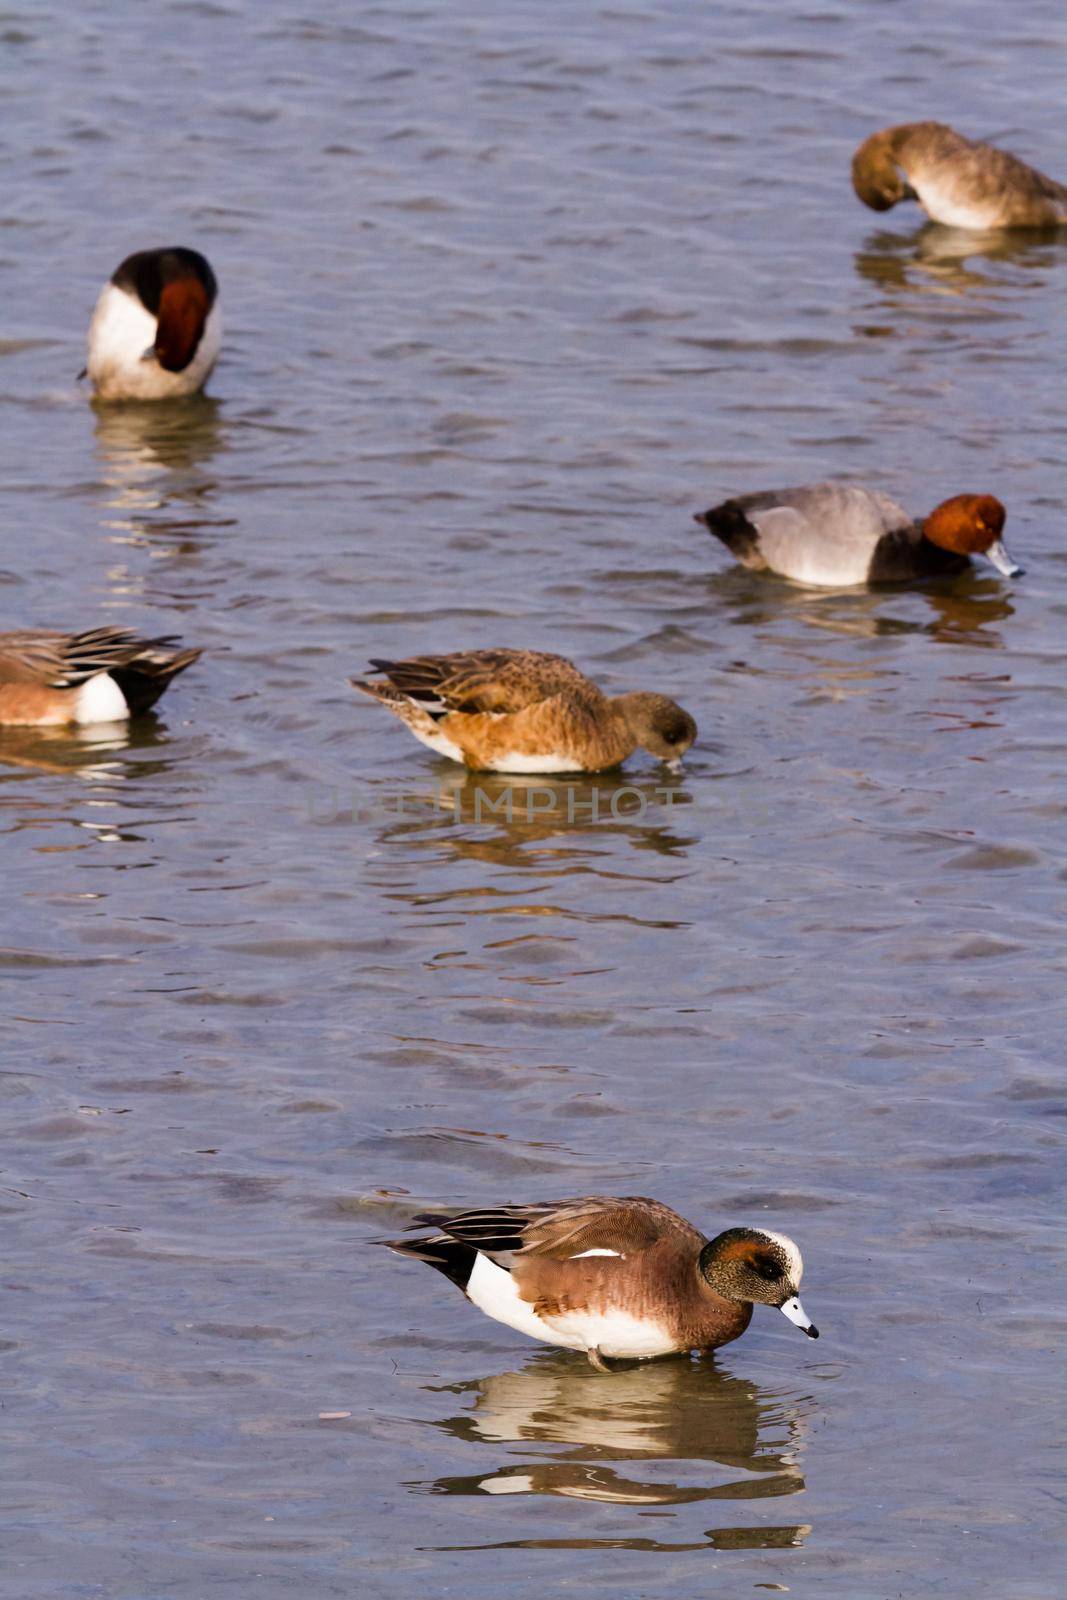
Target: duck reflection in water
969,613
155,460
969,605
92,752
518,821
684,1411
939,260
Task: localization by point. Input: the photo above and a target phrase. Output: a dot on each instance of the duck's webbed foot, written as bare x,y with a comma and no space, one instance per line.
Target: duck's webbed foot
597,1360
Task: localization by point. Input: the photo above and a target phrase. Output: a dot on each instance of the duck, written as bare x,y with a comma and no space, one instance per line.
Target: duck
961,182
617,1278
50,679
156,329
501,710
833,535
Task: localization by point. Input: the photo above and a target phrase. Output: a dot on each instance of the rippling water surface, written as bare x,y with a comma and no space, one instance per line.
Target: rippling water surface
510,292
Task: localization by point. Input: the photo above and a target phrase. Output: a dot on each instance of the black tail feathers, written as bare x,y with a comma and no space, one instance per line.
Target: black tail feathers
729,523
449,1256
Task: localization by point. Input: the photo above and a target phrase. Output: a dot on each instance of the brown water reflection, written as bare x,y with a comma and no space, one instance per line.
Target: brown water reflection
684,1411
157,477
938,260
516,821
81,751
969,604
136,440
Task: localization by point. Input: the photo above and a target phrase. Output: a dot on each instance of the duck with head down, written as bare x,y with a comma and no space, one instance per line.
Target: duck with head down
616,1278
957,181
501,710
832,535
156,329
51,680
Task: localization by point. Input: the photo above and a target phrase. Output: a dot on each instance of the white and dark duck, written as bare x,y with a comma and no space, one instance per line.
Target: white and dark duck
156,329
50,679
617,1278
832,535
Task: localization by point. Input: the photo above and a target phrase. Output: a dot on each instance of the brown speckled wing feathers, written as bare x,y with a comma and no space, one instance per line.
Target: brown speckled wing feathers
487,680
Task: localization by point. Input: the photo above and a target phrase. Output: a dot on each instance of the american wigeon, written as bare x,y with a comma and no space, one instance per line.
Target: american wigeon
52,679
958,181
834,534
615,1278
156,329
524,711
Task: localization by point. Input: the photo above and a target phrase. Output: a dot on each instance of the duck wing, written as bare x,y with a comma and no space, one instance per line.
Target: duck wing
63,660
564,1229
498,680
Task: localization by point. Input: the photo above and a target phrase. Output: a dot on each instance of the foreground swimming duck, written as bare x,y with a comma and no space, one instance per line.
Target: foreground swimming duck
623,1278
834,534
525,711
957,181
51,679
156,329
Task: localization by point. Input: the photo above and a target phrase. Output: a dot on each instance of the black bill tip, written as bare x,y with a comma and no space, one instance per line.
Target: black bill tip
812,1333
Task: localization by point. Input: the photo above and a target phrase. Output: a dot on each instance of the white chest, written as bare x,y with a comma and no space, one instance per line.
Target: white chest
946,203
122,362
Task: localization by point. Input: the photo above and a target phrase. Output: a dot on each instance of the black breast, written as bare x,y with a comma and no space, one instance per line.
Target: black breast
906,553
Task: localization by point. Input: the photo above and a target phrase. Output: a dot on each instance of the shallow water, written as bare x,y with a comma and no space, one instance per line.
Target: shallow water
508,297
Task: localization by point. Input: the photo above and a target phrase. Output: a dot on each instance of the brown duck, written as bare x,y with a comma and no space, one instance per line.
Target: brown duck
525,711
615,1278
961,182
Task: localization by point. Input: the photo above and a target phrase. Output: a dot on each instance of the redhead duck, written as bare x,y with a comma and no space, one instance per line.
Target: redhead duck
52,679
958,181
834,534
615,1278
155,332
524,711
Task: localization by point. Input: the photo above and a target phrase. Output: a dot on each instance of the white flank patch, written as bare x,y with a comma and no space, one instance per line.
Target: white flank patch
100,700
122,332
582,1254
615,1333
494,1291
947,205
518,762
795,546
431,735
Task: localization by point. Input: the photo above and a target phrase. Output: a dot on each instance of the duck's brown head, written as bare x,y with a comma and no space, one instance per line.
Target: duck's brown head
750,1264
659,724
971,525
876,177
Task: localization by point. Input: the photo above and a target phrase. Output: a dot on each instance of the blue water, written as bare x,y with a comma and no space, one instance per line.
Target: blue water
510,293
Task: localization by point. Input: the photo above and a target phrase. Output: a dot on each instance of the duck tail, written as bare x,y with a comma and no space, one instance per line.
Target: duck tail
147,674
450,1257
729,524
377,691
